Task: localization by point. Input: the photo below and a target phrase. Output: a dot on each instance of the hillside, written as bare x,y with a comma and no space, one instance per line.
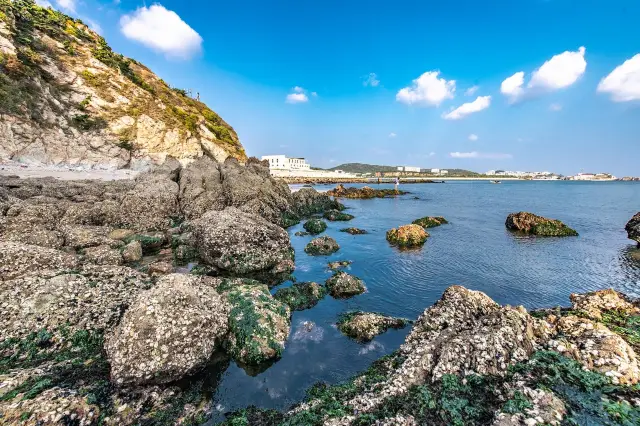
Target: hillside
67,98
372,168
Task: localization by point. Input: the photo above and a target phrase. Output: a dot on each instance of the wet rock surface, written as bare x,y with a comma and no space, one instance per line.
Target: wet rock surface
337,216
300,296
315,226
633,228
366,192
339,264
354,231
407,236
342,285
430,221
530,223
322,246
364,326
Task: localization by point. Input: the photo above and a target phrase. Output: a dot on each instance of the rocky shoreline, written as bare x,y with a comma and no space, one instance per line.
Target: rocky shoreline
116,295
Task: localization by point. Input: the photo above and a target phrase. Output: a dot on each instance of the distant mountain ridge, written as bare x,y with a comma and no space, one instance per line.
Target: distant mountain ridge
67,98
372,168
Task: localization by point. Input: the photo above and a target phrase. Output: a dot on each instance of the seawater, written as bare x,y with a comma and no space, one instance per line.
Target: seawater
475,250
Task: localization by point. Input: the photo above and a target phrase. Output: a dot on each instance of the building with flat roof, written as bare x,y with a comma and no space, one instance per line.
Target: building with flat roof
408,169
282,162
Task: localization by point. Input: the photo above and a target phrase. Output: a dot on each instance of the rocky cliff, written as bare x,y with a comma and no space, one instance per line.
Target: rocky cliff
67,98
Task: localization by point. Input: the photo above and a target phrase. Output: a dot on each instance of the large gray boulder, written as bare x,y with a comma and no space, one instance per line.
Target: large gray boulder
169,332
242,244
633,228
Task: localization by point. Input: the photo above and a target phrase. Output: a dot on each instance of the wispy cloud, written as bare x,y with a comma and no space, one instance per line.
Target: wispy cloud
480,155
298,96
481,103
555,107
473,137
371,80
392,135
471,90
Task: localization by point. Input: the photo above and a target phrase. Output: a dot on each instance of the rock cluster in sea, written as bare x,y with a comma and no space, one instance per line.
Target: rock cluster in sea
407,236
322,246
430,221
365,192
633,228
530,223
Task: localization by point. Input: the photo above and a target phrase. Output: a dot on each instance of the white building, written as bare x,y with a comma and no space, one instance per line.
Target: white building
282,162
444,172
435,171
408,169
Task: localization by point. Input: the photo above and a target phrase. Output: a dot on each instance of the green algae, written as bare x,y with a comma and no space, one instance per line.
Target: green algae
301,296
315,226
430,221
337,216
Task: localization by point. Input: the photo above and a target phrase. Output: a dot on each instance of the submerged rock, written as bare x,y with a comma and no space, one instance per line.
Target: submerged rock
258,324
302,234
342,285
530,223
633,228
337,216
315,226
301,296
242,244
364,326
407,236
365,192
430,221
354,231
169,332
322,246
339,264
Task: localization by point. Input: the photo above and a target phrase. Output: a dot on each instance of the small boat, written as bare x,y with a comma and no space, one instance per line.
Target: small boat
495,181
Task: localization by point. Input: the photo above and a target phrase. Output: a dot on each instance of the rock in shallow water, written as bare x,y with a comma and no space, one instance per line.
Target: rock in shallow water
633,228
430,221
407,236
530,223
169,332
364,326
365,192
322,246
354,231
342,285
301,296
315,226
337,216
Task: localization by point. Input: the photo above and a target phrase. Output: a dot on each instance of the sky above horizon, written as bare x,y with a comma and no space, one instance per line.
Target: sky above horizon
527,85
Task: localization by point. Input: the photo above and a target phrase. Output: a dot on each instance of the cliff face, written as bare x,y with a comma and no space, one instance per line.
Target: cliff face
67,98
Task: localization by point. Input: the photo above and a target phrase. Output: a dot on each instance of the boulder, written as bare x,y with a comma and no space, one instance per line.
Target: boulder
89,298
83,236
102,255
633,228
322,246
315,226
308,201
407,236
132,252
530,223
201,188
160,268
301,234
354,231
169,332
241,243
364,326
365,192
339,264
258,324
596,303
337,216
430,221
342,285
150,242
150,205
301,296
19,259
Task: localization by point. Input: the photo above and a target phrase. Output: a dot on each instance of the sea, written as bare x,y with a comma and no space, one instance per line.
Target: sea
474,250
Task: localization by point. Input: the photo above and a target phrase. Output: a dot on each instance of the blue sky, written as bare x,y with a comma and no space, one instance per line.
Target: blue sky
246,57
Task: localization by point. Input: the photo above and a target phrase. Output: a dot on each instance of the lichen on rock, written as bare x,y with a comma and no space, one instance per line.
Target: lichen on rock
322,246
315,226
530,223
300,296
342,285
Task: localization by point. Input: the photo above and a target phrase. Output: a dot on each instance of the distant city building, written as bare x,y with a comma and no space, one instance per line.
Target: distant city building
444,172
409,169
282,162
435,171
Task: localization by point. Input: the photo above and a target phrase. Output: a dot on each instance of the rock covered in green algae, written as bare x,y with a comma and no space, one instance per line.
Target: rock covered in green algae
301,234
633,228
530,223
339,264
322,246
364,326
342,285
365,192
258,324
301,296
337,216
407,236
354,231
430,221
315,226
169,332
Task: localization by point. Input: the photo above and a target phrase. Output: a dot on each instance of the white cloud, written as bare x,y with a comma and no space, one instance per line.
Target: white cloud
512,86
392,135
161,30
69,5
296,98
471,90
481,102
298,89
314,94
432,154
371,80
480,155
427,90
623,84
555,107
473,137
560,71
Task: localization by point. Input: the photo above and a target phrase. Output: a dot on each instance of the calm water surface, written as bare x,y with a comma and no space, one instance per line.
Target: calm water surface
475,250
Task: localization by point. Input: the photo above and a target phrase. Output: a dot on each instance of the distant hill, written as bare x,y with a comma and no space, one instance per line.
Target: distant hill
372,168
